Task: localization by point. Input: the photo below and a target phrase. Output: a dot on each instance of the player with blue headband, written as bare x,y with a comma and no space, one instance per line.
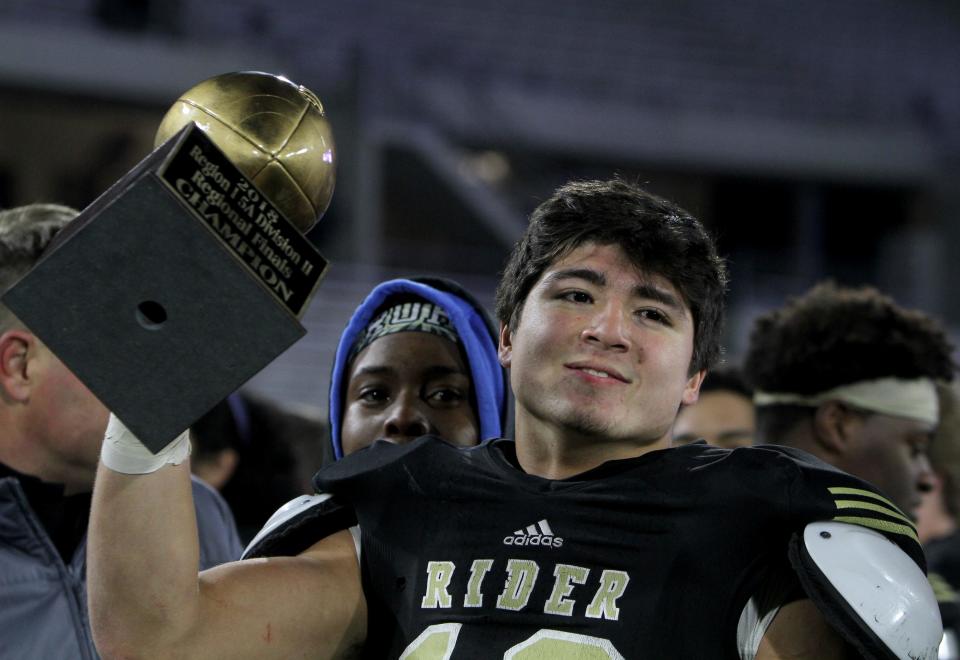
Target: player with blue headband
464,334
418,357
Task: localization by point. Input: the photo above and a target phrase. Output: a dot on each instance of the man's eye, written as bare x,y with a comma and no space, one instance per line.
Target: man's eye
918,448
577,296
654,315
446,396
373,395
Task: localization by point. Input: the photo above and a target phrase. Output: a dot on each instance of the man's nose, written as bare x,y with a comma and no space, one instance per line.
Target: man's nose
608,327
924,474
406,420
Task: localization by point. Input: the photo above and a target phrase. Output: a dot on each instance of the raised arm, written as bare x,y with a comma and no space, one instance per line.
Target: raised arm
147,599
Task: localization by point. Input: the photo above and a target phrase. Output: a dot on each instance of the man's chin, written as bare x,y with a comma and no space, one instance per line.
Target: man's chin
588,425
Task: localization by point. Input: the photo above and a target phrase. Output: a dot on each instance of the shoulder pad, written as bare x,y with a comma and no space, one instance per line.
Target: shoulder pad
869,589
298,524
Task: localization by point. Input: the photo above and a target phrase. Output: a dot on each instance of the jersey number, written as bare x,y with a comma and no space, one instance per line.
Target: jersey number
438,641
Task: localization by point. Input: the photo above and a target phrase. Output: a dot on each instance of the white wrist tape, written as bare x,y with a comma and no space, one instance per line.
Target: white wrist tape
123,452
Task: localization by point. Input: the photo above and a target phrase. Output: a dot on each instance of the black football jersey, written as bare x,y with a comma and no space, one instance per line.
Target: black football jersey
466,556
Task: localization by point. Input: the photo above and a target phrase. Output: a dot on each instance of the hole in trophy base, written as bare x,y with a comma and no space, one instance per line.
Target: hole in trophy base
151,315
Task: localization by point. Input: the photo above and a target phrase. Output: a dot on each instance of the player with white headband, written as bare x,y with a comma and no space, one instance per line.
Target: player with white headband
849,376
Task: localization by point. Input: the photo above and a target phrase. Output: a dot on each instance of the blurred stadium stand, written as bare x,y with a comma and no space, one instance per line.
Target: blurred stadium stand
817,139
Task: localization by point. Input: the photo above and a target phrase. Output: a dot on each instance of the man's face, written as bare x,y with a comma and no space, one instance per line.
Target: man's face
891,453
406,385
68,418
601,351
723,418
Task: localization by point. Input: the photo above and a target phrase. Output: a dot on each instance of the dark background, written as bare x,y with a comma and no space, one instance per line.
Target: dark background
816,139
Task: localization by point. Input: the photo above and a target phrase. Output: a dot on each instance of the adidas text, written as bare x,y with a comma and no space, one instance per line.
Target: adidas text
539,533
551,541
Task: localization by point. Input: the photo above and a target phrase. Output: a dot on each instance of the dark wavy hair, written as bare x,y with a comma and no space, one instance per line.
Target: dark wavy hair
832,336
658,237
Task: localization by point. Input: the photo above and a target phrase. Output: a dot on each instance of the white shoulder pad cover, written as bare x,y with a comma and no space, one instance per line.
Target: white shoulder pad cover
870,590
298,524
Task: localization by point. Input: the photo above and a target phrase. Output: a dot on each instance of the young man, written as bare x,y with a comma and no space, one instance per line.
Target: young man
418,357
849,376
582,539
51,429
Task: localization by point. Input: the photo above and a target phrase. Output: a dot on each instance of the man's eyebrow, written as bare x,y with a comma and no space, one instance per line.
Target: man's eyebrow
433,371
372,370
588,274
646,290
652,292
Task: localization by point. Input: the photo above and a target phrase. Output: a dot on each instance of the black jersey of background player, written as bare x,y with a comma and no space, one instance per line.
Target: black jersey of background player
466,556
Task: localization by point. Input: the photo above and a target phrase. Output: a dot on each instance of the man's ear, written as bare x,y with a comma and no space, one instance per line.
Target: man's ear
17,348
691,393
834,426
505,349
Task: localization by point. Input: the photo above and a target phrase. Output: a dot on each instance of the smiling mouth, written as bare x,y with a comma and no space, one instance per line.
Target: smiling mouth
599,373
594,372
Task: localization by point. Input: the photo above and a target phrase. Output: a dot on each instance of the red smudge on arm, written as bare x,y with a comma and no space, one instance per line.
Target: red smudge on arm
267,635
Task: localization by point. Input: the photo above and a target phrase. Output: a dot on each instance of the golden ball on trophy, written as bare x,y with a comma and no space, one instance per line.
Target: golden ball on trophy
273,130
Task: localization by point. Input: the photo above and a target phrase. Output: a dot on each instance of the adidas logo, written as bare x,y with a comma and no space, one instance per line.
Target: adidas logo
536,534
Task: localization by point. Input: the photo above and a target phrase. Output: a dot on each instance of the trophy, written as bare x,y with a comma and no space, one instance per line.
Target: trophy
191,273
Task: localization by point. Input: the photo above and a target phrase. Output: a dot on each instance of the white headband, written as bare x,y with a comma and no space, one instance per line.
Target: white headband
913,399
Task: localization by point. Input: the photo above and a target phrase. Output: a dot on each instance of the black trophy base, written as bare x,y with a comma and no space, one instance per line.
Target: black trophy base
151,310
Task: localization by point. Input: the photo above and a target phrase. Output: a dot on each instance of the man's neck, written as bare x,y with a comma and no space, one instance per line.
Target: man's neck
558,453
